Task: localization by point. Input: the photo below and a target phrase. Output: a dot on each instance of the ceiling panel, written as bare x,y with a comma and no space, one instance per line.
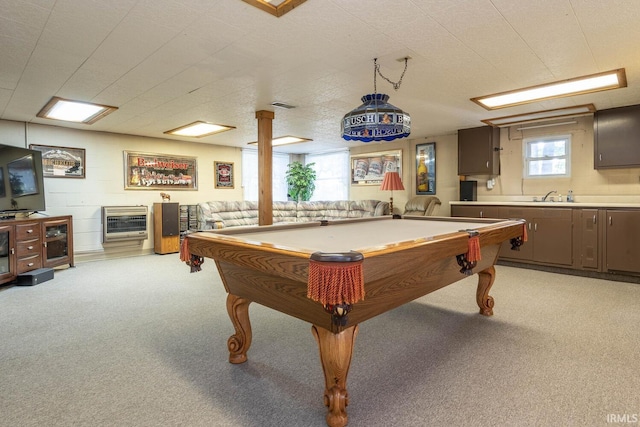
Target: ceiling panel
166,63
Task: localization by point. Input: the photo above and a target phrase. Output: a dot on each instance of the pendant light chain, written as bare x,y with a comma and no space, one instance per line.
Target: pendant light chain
376,70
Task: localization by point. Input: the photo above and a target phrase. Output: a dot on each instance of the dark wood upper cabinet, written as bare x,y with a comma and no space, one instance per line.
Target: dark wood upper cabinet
617,138
479,151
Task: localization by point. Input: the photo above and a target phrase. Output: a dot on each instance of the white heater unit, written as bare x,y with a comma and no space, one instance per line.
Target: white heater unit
124,223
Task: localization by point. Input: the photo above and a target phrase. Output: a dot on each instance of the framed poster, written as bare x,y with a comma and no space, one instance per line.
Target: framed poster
148,171
223,172
369,168
426,168
61,162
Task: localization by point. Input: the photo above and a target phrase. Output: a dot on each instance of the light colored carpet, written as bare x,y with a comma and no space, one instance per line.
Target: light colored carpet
142,342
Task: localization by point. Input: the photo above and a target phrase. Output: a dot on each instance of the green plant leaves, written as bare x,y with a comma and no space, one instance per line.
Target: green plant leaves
301,180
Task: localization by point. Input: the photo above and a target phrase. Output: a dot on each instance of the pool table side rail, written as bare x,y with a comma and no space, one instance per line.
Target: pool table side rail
490,230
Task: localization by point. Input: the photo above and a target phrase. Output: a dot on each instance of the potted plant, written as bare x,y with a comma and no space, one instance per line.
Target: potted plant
301,181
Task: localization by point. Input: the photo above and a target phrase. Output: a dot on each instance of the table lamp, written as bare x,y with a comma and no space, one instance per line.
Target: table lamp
391,182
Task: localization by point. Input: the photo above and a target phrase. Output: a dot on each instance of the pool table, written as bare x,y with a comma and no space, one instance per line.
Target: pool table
337,274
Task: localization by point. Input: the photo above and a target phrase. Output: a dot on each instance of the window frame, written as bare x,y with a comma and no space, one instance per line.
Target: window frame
527,158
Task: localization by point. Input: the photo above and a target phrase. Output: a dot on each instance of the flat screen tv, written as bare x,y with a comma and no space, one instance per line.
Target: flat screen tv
21,181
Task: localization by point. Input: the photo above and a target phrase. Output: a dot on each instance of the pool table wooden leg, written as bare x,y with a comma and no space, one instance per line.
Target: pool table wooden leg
335,355
239,343
484,300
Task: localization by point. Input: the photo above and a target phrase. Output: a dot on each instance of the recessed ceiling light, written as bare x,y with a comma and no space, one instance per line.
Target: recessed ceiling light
284,140
613,79
74,111
537,116
199,129
275,7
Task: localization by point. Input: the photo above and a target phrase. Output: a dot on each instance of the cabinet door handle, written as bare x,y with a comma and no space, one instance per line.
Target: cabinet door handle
487,164
29,247
594,219
535,227
13,251
30,264
529,226
481,215
29,231
610,221
600,157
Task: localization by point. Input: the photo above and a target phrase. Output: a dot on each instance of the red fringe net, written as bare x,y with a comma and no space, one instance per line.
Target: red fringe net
335,282
184,251
474,249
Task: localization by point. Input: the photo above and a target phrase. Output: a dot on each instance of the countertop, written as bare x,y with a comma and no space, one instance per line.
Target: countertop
577,204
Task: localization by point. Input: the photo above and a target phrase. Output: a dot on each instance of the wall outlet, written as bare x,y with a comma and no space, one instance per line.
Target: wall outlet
491,183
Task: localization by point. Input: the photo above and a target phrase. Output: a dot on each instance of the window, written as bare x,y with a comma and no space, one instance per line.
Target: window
250,176
547,156
332,175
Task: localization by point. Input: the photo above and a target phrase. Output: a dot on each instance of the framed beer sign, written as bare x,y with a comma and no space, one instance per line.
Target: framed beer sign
369,168
148,171
223,172
61,162
426,168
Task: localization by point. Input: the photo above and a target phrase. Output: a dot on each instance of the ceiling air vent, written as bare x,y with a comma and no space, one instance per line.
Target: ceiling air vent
282,105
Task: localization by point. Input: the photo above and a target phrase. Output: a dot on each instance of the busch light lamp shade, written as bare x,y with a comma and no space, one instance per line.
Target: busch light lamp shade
376,120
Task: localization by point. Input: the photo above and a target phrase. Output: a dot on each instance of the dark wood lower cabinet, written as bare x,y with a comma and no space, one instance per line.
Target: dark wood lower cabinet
622,241
549,232
586,239
552,236
589,239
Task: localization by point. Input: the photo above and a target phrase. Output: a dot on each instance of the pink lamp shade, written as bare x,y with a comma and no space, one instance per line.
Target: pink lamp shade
391,182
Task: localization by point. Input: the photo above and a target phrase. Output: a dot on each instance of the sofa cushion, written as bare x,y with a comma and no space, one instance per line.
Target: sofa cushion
367,208
219,214
285,211
421,205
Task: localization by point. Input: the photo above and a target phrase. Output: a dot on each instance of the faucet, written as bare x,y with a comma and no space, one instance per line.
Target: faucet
544,199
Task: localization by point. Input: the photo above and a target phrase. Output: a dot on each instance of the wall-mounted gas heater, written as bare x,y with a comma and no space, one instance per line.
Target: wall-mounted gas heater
124,223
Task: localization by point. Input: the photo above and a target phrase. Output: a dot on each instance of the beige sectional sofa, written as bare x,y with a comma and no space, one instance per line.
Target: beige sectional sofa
222,214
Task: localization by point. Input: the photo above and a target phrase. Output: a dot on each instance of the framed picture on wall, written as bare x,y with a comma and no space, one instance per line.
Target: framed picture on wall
369,168
61,162
223,173
426,168
148,171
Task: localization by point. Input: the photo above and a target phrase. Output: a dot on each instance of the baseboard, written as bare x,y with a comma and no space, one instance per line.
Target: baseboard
111,253
616,277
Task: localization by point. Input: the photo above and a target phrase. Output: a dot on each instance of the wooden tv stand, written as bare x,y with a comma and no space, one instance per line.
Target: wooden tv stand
30,243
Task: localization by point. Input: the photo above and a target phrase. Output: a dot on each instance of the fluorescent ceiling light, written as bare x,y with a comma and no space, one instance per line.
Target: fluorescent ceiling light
199,129
284,140
577,86
537,116
571,122
74,111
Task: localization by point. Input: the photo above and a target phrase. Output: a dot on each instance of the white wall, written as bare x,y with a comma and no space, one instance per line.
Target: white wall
446,171
587,183
104,183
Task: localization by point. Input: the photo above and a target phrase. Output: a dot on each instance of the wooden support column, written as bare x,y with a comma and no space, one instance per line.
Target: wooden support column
265,166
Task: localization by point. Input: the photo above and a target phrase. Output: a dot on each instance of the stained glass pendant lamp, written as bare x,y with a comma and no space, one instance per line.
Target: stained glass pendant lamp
376,119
